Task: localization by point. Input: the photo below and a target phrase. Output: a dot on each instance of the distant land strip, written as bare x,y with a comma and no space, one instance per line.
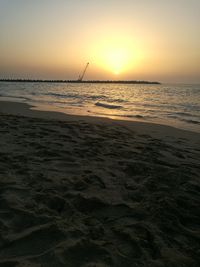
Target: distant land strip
76,81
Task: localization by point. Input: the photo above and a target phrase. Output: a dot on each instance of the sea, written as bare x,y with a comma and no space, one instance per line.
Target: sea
177,105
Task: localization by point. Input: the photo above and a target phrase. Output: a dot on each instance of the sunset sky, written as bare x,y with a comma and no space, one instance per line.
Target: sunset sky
121,39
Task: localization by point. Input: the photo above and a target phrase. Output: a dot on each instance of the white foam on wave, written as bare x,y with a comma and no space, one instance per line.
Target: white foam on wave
105,105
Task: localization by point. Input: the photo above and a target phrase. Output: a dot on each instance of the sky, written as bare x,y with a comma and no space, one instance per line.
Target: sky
121,39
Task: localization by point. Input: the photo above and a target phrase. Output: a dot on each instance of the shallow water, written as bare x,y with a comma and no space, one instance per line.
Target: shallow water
171,104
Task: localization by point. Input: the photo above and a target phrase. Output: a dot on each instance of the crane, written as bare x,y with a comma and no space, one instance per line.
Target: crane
80,78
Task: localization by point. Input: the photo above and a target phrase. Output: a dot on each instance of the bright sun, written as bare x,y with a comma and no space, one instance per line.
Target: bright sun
116,55
115,60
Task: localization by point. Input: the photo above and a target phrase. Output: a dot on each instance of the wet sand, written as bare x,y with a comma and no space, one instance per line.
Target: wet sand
80,191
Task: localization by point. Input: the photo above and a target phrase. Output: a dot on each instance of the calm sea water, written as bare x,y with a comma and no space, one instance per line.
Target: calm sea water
170,104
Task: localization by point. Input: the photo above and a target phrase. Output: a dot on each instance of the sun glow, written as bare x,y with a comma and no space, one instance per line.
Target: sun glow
116,60
116,56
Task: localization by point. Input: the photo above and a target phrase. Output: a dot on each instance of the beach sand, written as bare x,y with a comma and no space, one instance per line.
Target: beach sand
80,191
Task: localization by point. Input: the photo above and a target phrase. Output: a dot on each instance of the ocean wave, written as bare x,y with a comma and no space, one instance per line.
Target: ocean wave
104,105
191,121
186,114
138,116
86,97
57,103
134,116
63,95
121,115
15,97
118,100
96,97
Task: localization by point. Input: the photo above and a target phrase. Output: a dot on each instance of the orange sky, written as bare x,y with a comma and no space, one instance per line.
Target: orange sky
147,39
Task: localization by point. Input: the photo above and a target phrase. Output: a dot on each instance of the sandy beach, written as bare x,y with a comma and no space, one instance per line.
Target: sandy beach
86,191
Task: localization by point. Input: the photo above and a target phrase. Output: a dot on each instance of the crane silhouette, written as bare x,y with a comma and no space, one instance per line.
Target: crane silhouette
81,76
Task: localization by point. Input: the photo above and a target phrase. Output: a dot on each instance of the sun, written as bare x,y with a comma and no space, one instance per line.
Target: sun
115,56
112,58
115,60
117,72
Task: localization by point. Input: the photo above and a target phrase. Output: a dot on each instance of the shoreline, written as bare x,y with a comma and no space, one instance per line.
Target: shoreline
28,110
